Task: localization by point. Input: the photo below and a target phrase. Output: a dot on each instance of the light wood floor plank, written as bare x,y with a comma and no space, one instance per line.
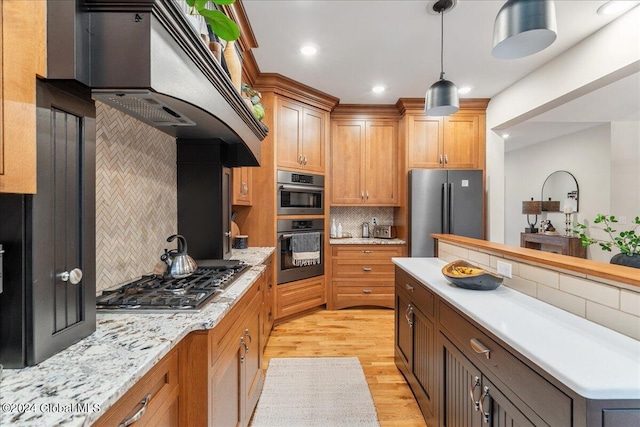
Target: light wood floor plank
365,333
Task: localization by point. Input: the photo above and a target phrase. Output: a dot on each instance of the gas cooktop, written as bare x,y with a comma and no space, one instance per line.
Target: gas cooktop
160,294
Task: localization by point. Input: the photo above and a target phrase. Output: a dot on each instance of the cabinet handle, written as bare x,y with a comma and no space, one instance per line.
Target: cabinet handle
408,314
367,194
480,348
269,315
440,160
362,195
305,160
246,334
446,159
366,291
244,189
485,414
139,413
366,269
367,252
472,394
246,349
408,287
74,276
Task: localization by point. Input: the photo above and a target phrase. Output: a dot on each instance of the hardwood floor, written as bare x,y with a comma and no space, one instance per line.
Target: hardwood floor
365,333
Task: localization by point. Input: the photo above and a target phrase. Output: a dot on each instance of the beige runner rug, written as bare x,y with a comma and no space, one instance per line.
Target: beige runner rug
318,391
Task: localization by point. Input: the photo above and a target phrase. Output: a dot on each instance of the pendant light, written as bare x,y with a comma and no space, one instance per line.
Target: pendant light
524,27
442,96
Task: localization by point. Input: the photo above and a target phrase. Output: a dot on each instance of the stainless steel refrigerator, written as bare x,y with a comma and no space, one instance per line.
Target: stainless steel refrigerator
443,201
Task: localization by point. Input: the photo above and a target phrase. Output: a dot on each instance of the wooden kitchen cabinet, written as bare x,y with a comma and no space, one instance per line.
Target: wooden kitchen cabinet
364,162
242,186
299,296
363,275
301,135
456,141
268,307
155,397
22,44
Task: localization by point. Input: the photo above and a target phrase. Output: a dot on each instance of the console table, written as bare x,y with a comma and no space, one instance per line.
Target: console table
553,243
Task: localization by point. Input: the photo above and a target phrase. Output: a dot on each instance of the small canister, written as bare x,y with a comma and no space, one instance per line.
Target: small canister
241,241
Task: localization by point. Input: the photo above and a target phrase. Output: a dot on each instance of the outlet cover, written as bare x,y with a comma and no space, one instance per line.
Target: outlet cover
374,220
504,269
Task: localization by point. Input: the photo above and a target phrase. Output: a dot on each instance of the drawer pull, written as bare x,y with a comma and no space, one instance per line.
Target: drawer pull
472,393
246,334
246,349
486,415
408,314
408,287
139,413
366,251
367,291
366,268
480,348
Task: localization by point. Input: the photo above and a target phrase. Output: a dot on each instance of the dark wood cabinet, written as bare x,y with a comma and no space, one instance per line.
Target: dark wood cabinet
563,245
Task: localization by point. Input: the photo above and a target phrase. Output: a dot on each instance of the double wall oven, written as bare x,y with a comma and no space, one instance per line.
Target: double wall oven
298,195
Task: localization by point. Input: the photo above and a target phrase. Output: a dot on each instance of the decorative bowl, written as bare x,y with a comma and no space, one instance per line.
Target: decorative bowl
468,276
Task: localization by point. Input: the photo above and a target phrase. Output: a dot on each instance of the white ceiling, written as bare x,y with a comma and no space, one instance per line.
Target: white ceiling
397,44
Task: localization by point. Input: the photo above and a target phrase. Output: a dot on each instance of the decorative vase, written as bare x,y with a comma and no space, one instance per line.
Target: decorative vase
233,63
626,260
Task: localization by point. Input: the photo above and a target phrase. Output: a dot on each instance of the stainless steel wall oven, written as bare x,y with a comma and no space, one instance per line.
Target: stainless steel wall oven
287,270
300,194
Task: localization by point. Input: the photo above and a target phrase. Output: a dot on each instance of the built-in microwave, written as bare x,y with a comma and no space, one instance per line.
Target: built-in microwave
300,194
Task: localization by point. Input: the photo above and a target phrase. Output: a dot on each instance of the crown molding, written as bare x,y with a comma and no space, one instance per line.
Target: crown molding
405,104
281,85
365,111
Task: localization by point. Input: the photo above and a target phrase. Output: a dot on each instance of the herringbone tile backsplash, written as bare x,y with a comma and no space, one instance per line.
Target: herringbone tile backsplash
136,203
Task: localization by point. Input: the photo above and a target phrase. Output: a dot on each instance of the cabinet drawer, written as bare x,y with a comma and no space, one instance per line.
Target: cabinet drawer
159,386
418,293
551,404
296,297
364,252
367,269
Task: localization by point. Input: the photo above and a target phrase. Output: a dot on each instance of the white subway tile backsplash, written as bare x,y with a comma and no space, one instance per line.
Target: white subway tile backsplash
602,294
624,323
461,253
539,275
479,258
522,285
630,302
563,300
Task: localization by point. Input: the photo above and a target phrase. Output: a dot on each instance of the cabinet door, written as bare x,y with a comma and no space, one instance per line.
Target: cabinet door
288,134
461,380
404,330
347,157
252,375
269,302
424,358
424,147
381,163
497,410
461,141
225,400
242,186
312,146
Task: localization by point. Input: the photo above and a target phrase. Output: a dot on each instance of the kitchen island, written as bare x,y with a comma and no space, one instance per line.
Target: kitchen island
536,363
79,384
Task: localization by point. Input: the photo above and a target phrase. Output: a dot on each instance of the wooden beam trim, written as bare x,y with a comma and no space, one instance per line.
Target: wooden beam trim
238,14
365,111
405,104
285,86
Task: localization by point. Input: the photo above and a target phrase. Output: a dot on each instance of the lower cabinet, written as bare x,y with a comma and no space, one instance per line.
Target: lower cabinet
152,401
268,303
363,275
299,296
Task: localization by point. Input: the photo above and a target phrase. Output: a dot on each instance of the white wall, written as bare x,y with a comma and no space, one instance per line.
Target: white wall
625,169
585,154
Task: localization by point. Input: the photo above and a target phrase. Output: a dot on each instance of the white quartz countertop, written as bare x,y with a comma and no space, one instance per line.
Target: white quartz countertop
593,361
365,241
79,384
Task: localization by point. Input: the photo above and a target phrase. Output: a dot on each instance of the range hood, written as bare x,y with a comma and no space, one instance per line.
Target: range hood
149,62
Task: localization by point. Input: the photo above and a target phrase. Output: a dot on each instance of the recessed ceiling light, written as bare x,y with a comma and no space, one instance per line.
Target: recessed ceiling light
308,50
613,6
377,89
464,90
505,135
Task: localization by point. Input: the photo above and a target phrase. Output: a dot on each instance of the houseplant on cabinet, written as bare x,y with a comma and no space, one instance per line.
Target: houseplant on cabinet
627,241
221,25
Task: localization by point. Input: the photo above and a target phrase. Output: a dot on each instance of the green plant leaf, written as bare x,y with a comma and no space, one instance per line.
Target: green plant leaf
190,2
221,25
200,5
221,2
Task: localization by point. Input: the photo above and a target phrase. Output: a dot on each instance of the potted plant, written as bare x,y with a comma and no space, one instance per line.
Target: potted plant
220,24
628,242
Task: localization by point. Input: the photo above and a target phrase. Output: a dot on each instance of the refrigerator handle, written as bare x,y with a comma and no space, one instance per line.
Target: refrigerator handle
450,209
444,207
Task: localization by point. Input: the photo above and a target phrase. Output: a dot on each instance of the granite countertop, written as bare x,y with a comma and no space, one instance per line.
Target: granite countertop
79,384
365,241
593,361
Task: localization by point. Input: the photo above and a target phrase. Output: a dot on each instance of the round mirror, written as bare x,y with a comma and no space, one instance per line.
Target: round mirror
562,187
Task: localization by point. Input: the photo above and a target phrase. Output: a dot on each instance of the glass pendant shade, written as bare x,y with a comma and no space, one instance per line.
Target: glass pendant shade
524,27
441,99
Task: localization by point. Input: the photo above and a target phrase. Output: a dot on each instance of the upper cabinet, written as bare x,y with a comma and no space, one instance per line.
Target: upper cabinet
301,136
456,141
242,186
22,46
364,162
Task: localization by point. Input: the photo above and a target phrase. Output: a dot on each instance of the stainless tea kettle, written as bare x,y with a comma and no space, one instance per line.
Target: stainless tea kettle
179,264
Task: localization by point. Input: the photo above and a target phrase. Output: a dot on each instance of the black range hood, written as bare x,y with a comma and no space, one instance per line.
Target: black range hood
148,61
